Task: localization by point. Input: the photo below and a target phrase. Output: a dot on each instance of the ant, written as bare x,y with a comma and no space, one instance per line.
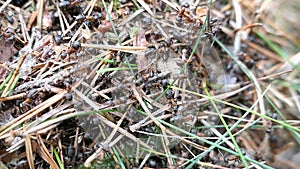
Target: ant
67,4
94,18
8,34
270,123
250,63
188,16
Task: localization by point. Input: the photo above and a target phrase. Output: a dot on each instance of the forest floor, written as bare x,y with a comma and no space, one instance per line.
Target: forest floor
149,84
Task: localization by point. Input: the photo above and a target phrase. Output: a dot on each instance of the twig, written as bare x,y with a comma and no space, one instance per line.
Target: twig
128,49
26,116
106,142
239,23
44,153
29,153
4,5
14,97
146,6
263,51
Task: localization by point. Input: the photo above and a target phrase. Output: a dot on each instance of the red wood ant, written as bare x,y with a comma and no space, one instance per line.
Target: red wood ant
188,16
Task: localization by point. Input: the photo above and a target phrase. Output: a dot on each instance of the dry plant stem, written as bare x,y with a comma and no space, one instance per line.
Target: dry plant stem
166,142
163,129
31,20
63,29
247,27
60,151
146,6
216,132
43,42
109,123
224,115
105,54
239,23
186,147
154,103
258,90
23,27
19,10
86,99
248,142
42,124
65,21
100,93
144,161
295,59
42,70
75,146
281,96
197,146
263,51
14,97
40,7
75,35
28,115
171,4
5,67
140,100
87,163
129,18
4,5
136,126
107,141
296,99
44,153
158,117
128,49
124,132
47,129
90,6
274,75
29,153
102,64
89,9
222,96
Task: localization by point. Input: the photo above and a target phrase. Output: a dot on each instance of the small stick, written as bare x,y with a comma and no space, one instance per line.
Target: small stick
34,111
14,97
4,5
113,47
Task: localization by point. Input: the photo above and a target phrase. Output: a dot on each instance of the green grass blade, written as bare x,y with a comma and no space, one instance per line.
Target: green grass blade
61,166
119,158
282,123
212,143
274,47
221,140
117,35
252,78
6,80
227,128
13,85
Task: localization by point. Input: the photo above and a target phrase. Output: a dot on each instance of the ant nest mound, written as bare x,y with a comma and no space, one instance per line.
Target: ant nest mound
142,89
